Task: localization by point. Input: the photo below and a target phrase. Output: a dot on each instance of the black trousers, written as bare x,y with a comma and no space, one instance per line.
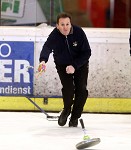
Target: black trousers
74,89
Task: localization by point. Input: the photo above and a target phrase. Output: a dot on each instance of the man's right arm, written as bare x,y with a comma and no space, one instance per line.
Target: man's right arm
45,52
44,56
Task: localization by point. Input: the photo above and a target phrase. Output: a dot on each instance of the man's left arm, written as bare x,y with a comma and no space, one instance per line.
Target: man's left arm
84,53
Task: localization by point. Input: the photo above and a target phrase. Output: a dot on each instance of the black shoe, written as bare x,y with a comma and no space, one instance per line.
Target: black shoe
73,123
63,117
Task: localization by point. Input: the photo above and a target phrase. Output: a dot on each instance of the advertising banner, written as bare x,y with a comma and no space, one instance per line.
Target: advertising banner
16,76
13,8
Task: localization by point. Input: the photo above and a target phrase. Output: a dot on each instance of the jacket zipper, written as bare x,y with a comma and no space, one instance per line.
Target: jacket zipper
68,46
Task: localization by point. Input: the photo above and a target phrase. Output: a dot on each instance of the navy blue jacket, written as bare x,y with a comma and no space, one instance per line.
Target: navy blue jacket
72,49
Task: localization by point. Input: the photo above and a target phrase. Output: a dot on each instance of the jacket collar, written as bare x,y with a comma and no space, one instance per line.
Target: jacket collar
71,30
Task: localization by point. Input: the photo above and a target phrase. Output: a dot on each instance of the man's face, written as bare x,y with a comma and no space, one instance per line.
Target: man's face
64,26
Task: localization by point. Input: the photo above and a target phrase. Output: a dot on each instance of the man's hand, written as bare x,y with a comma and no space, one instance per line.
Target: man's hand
70,69
42,67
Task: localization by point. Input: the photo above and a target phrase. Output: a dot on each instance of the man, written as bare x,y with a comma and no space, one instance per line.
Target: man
71,52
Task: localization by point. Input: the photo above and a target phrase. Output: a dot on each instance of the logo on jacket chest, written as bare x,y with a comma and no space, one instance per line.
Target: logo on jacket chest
75,44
